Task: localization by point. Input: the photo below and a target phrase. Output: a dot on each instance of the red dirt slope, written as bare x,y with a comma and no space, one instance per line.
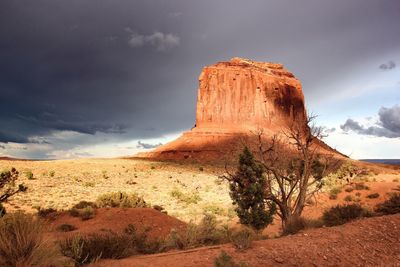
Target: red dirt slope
366,242
117,219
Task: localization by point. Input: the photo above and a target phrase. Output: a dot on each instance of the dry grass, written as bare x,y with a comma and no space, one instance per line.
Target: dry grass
22,243
68,185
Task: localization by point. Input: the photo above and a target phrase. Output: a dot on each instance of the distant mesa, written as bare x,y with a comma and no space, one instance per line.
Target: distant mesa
236,99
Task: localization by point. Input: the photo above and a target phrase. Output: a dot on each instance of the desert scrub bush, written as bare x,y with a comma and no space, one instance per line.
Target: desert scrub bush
85,213
83,204
349,189
52,173
297,224
373,195
22,242
65,227
395,180
348,198
214,209
121,200
48,213
389,206
341,214
204,233
89,249
188,198
225,260
242,239
141,243
8,186
361,186
89,184
334,192
29,175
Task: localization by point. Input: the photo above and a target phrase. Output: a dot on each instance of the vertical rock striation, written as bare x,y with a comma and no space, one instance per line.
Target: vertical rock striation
235,99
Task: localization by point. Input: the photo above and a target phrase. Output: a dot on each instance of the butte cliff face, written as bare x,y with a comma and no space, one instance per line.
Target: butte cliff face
242,95
235,99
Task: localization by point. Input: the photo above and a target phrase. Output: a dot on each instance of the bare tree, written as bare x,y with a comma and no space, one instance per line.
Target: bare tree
294,166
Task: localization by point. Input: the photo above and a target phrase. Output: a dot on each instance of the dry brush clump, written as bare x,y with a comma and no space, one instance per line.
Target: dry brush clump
110,245
342,214
389,206
121,200
22,242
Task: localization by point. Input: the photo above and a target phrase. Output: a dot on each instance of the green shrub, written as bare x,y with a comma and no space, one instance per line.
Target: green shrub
374,195
122,200
8,184
22,242
225,260
66,227
29,175
390,206
242,239
341,214
334,192
190,198
247,191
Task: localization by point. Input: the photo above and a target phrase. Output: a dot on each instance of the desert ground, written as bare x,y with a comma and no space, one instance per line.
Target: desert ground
189,191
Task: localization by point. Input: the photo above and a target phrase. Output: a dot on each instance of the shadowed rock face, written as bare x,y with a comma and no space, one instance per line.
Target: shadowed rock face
236,99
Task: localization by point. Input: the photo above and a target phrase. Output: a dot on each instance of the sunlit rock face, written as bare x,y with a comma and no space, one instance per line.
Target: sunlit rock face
237,99
242,95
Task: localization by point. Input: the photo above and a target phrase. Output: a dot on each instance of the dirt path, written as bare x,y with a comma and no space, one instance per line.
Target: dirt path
366,242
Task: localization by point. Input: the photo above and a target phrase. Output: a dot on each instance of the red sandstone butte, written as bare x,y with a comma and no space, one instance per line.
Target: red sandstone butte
236,99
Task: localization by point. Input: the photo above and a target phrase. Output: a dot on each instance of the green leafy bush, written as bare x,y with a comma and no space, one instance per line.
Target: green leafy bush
121,200
341,214
390,206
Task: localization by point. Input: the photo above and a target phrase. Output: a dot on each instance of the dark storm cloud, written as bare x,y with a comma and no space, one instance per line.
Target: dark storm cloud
388,124
147,146
129,69
388,66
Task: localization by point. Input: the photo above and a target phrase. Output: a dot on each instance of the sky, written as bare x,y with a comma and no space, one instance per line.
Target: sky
107,78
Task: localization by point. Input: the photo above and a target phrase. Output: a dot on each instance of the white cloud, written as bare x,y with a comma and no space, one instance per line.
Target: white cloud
160,41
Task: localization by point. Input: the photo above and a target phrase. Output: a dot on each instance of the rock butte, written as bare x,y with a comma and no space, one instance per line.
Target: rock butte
236,99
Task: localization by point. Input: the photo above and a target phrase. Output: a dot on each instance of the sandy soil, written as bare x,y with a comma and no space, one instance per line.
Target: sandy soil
366,242
61,184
